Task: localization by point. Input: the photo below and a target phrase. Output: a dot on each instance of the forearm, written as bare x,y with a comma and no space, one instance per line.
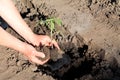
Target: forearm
11,15
10,41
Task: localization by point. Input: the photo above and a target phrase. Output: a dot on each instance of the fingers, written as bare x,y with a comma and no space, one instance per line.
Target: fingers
31,53
55,44
46,41
50,42
40,54
37,61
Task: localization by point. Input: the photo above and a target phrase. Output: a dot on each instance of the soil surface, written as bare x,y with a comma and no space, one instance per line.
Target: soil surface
89,39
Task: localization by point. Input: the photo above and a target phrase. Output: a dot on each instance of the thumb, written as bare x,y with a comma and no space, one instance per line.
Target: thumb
55,44
40,54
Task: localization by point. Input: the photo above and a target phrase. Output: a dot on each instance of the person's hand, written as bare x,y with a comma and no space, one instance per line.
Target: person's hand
38,40
45,40
31,53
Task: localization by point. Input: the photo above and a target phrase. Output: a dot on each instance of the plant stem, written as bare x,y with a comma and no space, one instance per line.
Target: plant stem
51,30
51,34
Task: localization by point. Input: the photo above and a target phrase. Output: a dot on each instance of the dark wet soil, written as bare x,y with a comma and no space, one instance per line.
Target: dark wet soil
79,61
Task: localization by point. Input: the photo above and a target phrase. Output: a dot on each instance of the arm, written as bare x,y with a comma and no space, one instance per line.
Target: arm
9,12
10,41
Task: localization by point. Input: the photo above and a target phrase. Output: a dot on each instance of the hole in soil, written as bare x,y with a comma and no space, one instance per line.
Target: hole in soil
73,65
77,61
83,69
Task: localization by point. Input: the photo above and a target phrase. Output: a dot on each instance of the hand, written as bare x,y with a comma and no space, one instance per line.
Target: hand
46,41
31,53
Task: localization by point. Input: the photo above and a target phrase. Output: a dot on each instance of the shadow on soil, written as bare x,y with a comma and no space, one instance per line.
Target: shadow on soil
78,62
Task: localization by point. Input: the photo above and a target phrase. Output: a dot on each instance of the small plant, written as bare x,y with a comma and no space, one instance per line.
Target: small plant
50,23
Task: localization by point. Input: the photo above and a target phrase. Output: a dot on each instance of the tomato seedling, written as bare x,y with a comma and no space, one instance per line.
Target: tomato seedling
50,23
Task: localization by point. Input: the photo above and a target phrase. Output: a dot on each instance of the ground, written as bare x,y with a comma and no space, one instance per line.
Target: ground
90,26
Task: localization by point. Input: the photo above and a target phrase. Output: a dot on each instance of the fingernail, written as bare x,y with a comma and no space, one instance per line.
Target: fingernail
43,55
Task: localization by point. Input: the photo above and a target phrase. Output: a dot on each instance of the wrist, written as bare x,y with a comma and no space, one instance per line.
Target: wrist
23,48
33,39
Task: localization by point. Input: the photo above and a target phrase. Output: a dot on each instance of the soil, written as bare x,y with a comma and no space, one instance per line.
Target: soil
89,40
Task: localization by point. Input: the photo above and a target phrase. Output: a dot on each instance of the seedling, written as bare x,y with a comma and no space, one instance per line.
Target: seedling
50,23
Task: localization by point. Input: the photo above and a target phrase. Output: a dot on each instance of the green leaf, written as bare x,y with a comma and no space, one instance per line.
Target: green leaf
52,26
42,22
58,21
49,20
47,23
